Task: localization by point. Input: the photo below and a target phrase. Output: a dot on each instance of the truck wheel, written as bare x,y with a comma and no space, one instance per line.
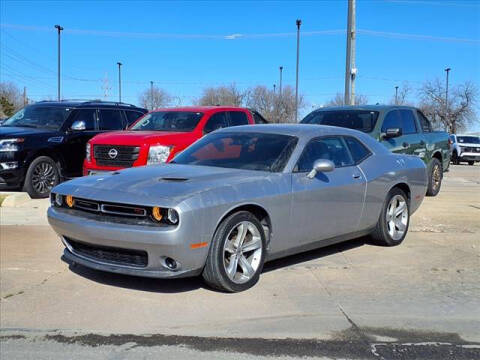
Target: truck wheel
237,253
471,163
435,178
455,159
392,226
42,176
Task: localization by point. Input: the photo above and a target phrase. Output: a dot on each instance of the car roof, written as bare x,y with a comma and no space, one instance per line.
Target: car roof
89,103
365,107
199,108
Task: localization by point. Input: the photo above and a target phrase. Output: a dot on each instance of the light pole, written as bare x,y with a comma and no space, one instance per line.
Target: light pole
119,82
447,70
151,95
274,87
280,83
350,70
59,29
299,23
396,95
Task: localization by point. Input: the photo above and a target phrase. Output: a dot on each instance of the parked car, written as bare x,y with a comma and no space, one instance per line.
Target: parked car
465,148
402,129
236,198
159,135
44,143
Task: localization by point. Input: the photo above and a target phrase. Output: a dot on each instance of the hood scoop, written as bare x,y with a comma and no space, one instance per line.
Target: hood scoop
173,179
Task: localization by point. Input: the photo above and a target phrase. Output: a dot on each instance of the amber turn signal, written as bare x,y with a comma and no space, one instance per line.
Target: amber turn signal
157,213
69,201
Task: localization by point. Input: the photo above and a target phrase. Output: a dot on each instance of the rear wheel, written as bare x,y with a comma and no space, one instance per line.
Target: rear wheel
392,226
237,253
42,175
455,158
471,163
435,178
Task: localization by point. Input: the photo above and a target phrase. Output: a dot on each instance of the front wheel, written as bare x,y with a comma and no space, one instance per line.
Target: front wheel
392,226
471,163
237,253
42,175
435,178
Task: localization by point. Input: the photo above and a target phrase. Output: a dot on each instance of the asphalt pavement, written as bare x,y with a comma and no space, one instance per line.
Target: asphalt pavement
420,300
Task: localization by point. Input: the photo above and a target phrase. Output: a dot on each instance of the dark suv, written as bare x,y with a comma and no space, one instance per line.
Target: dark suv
44,143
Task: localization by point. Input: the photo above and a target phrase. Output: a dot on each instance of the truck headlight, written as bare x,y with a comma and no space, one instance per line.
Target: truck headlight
158,154
11,144
88,149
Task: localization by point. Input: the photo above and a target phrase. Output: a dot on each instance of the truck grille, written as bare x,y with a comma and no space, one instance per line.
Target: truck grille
118,256
115,155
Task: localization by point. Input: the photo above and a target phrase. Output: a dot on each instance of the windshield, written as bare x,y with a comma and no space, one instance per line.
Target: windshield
468,139
35,116
363,120
168,121
249,151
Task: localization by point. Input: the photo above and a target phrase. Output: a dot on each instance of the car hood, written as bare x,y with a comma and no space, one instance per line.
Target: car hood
136,137
12,131
149,185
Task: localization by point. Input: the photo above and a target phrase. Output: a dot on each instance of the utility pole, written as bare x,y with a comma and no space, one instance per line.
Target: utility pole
396,95
274,86
59,29
447,70
25,101
151,95
350,70
280,84
119,82
299,23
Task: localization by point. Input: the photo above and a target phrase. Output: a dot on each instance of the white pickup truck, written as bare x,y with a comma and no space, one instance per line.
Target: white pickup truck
465,148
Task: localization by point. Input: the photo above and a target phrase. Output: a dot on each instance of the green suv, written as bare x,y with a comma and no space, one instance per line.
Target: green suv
401,129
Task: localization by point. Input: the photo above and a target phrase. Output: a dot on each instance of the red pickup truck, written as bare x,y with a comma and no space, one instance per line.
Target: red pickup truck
156,137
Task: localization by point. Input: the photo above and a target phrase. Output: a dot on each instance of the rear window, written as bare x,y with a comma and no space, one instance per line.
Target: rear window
182,121
362,120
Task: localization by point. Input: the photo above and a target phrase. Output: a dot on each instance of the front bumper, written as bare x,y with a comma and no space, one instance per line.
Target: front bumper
158,242
11,179
469,156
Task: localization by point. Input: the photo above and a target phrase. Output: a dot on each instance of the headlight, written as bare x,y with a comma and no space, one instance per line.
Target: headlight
158,154
58,199
11,144
163,215
172,216
87,151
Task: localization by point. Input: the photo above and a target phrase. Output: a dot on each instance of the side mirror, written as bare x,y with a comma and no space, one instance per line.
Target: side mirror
392,133
322,166
78,126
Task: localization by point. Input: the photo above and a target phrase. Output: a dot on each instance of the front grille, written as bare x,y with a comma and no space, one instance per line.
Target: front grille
125,156
109,208
113,255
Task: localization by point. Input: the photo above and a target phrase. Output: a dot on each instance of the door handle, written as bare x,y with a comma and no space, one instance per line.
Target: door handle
356,176
405,145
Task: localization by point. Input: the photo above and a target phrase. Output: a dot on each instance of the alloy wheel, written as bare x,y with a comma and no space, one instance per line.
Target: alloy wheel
43,177
242,252
436,177
397,217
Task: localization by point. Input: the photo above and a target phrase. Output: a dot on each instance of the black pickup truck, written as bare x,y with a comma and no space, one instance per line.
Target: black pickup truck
44,143
402,129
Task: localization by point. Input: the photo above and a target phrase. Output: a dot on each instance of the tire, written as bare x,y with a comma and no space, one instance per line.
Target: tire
435,177
42,175
471,163
455,158
387,233
224,247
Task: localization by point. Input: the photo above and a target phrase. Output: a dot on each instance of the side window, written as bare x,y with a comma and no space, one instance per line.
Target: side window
426,126
391,121
89,116
238,118
330,148
357,149
216,121
258,119
110,120
408,122
132,116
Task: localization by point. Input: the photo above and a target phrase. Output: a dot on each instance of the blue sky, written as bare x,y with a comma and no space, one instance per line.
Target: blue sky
185,46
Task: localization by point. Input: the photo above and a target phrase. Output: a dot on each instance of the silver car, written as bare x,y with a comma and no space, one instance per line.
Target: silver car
237,198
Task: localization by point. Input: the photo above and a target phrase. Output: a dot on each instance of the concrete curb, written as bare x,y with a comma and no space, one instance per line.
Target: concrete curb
14,199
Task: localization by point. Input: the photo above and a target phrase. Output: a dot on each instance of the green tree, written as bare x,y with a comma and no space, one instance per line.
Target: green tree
7,108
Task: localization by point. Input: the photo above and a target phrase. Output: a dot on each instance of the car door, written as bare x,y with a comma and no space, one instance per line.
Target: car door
111,119
412,137
331,203
392,120
76,140
237,118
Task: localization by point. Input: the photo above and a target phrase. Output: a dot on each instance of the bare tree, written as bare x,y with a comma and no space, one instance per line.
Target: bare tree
228,95
12,99
339,100
262,99
402,96
155,97
285,105
458,114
